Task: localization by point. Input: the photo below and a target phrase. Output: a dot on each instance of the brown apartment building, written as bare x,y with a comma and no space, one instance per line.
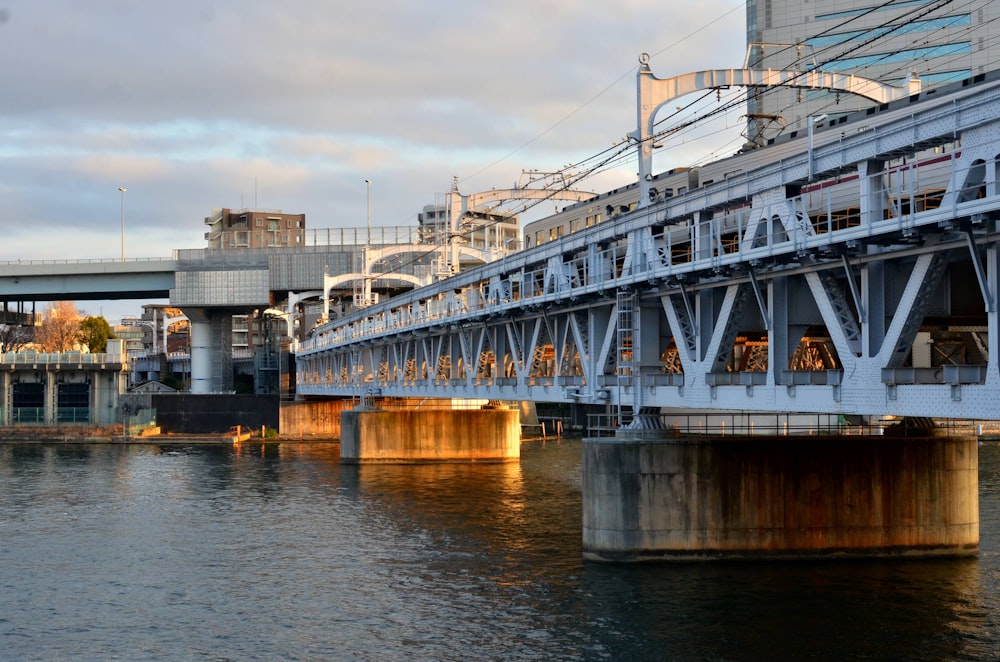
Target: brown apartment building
254,228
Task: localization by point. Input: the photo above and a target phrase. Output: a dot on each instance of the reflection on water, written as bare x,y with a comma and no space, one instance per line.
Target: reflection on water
269,551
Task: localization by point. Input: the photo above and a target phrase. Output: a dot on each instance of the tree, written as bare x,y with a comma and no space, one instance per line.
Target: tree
59,330
95,332
13,337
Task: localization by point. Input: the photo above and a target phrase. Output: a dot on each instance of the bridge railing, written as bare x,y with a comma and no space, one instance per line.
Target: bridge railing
377,235
88,260
73,415
409,404
60,358
317,239
22,415
793,425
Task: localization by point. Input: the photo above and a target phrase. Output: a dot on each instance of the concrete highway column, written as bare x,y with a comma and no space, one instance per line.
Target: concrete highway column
201,356
779,498
211,349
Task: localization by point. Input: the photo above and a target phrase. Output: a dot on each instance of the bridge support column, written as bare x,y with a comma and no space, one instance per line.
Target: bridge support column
211,350
779,498
201,357
419,436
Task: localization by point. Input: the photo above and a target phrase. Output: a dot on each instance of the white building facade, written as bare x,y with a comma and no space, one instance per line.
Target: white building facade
940,41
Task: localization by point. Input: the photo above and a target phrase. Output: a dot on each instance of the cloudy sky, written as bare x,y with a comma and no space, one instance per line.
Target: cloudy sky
291,105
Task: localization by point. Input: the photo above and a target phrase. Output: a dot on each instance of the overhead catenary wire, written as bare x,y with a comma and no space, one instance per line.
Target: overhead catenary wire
880,32
627,74
738,99
903,69
883,31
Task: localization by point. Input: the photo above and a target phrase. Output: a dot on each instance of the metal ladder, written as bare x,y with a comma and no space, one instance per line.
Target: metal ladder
624,354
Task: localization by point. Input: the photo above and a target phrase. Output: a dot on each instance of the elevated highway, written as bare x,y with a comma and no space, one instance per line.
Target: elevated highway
86,280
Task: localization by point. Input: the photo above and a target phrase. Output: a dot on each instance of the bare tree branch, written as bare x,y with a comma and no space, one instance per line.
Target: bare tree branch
59,330
14,337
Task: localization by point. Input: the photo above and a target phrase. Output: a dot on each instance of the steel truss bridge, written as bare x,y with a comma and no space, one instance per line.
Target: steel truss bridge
833,276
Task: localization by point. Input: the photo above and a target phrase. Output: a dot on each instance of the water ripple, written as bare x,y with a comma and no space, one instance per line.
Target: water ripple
277,552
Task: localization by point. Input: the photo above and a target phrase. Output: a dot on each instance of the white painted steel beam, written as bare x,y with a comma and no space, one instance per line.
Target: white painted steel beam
653,93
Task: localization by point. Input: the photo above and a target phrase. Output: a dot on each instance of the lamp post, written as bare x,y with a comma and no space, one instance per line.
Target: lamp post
122,189
368,208
367,291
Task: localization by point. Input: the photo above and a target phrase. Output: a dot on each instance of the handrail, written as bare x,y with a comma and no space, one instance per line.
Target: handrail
36,358
92,260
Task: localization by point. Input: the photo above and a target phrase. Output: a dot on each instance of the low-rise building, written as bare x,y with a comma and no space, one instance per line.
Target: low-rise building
254,228
63,388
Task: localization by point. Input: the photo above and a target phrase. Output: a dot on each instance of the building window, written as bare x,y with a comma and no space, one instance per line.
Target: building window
895,30
866,10
900,56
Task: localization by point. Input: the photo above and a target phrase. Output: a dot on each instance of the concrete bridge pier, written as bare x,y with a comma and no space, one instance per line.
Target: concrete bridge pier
211,350
421,436
681,499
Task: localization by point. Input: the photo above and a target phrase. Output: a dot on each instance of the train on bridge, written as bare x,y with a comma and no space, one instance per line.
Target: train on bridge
916,179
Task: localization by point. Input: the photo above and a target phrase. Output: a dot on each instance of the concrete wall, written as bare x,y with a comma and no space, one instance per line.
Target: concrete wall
780,498
191,413
421,436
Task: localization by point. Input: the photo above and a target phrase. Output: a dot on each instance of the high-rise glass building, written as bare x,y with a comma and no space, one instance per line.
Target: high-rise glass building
941,41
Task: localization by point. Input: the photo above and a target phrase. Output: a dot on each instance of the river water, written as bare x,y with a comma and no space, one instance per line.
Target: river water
276,552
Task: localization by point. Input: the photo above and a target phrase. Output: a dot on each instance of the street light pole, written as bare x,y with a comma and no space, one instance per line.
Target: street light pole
123,189
367,292
368,208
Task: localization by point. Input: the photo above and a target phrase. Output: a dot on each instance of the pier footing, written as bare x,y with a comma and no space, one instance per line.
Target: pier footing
779,498
372,436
